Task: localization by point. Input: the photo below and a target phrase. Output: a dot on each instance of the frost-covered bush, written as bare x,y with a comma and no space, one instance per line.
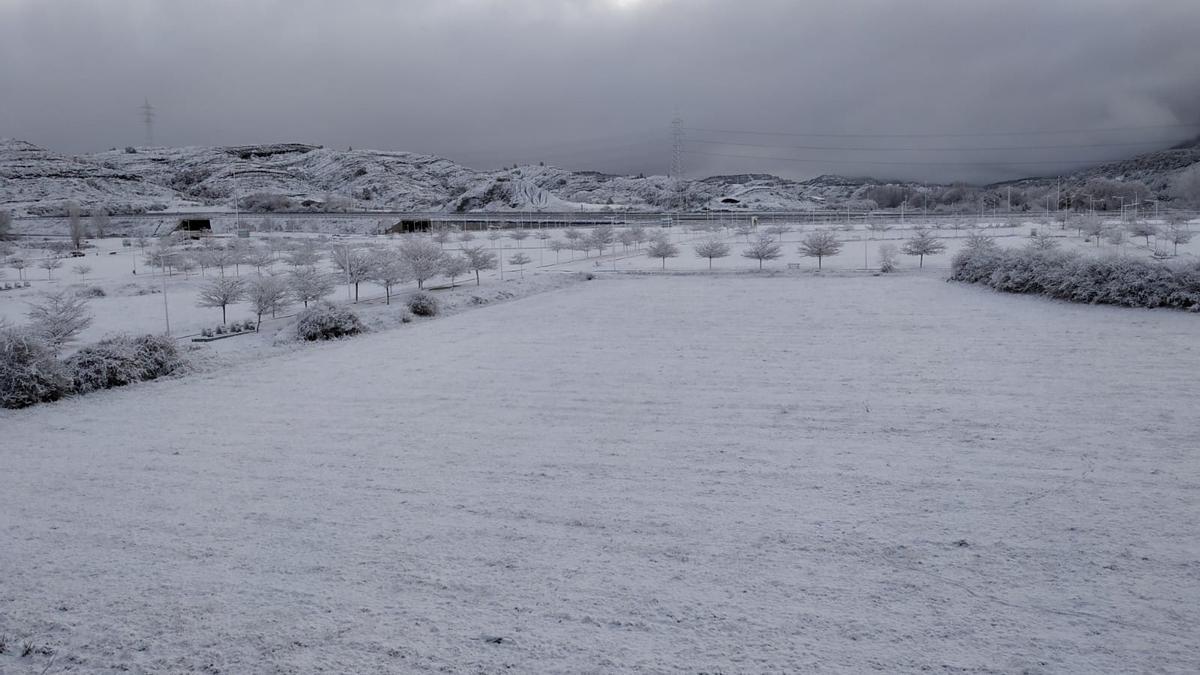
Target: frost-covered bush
90,292
326,321
889,258
29,371
423,304
1129,282
122,360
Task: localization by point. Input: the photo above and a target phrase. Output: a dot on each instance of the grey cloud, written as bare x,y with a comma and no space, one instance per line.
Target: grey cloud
592,84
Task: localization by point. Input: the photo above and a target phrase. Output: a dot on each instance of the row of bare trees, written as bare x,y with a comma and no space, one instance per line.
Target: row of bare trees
819,244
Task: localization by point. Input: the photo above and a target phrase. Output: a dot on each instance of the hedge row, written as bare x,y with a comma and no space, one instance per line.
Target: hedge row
1128,282
31,373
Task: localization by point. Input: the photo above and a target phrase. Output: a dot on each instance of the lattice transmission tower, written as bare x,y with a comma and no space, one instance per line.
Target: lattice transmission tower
678,199
676,146
148,120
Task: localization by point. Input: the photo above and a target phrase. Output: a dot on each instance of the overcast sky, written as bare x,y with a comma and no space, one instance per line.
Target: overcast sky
593,84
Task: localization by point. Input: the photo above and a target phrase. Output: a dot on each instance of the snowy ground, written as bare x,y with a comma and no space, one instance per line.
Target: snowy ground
734,474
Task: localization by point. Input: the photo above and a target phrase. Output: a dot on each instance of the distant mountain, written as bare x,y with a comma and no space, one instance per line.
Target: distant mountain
292,176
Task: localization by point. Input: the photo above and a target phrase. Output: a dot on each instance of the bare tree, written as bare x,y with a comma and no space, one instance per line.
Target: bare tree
423,258
163,256
1177,235
1042,241
222,257
1116,237
765,248
557,246
712,248
777,230
50,263
819,245
304,255
1093,229
661,248
268,294
519,235
638,234
100,221
18,264
354,264
308,284
456,266
479,259
260,258
1143,228
221,292
495,236
59,318
922,244
82,271
520,260
603,235
466,236
75,225
573,237
441,235
387,270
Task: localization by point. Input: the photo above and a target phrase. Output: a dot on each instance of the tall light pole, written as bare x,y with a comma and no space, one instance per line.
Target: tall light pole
166,259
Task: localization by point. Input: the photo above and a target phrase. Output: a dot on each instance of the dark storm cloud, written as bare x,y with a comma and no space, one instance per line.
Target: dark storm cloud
594,83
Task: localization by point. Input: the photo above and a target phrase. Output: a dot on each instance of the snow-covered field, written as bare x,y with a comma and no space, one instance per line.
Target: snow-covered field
692,473
134,302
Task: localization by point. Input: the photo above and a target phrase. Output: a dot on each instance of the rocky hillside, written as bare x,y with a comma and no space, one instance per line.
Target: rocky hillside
297,177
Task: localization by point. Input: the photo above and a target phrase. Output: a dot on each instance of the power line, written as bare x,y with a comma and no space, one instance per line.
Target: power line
935,148
1052,132
981,163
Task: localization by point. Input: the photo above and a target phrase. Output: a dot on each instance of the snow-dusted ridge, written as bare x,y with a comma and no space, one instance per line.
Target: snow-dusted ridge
295,176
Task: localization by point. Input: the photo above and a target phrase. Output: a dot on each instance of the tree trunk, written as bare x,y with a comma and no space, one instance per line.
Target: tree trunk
222,315
476,277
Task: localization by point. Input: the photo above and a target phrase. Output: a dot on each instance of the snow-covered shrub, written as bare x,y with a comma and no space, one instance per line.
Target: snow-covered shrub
29,372
122,360
889,258
423,304
1129,282
326,321
90,292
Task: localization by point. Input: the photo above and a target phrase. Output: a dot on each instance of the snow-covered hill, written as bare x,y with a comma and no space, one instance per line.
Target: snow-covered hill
292,176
